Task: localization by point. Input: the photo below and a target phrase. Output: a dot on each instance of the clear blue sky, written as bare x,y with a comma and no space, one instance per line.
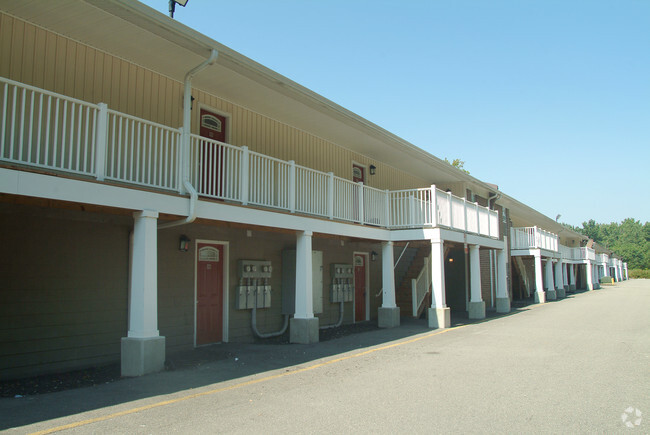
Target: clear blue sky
549,99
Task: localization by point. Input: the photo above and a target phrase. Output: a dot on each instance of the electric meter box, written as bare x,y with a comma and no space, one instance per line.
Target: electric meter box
254,290
341,289
341,271
254,269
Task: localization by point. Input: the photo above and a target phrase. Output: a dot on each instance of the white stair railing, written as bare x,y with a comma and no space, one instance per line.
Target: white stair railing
420,286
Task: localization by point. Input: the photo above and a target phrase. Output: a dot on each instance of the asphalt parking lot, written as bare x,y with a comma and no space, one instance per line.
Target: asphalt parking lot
578,365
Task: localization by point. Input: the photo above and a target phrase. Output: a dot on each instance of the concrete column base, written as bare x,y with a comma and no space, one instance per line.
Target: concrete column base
561,293
597,286
540,297
572,287
551,295
439,318
142,355
303,331
388,317
503,305
477,310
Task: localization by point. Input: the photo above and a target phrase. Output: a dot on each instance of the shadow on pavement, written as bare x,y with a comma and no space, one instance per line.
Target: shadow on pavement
206,366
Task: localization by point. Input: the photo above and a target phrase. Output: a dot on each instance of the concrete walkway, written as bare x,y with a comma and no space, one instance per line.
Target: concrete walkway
572,366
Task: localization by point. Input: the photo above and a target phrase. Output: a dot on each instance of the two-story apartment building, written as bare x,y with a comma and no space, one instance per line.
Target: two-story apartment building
161,191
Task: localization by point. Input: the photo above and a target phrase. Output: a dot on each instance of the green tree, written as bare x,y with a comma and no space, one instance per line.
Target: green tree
458,164
630,240
592,230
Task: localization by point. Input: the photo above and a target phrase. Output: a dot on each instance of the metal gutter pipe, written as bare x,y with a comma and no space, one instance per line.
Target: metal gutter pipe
185,140
494,198
194,196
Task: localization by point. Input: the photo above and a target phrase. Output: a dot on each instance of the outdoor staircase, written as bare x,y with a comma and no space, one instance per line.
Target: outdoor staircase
524,280
408,269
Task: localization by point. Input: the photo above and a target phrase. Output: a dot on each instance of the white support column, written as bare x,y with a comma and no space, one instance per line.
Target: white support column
565,277
597,275
559,281
143,350
625,275
503,300
439,313
540,295
590,275
303,325
572,277
389,311
476,303
551,294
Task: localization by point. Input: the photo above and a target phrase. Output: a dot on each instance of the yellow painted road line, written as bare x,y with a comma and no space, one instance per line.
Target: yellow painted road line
240,385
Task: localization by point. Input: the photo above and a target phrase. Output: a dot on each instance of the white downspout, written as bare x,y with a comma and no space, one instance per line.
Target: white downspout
185,140
194,196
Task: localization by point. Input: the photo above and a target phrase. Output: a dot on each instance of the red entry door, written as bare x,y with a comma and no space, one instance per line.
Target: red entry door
358,173
211,180
359,287
209,294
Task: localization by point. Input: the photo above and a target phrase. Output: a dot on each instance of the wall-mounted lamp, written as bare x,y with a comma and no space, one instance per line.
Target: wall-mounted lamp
373,256
451,260
373,169
184,243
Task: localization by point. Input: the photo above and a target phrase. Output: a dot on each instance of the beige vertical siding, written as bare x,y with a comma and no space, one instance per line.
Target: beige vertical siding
41,58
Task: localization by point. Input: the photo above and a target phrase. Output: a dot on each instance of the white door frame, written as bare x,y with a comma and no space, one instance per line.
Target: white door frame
366,256
226,257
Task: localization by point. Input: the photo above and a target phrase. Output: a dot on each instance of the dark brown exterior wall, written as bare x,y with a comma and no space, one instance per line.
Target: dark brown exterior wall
64,292
65,273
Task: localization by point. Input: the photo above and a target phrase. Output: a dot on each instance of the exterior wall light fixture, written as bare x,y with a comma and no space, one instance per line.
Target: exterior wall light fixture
373,169
184,243
373,256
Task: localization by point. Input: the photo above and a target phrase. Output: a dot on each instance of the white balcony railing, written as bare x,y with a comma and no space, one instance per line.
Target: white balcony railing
533,238
587,254
51,131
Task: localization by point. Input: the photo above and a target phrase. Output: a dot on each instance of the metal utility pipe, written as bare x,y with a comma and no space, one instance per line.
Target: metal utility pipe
337,324
270,334
185,141
494,198
192,214
187,107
